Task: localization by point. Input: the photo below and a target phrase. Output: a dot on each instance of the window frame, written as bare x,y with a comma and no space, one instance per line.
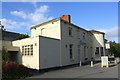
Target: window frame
101,51
97,51
70,31
71,52
27,50
83,35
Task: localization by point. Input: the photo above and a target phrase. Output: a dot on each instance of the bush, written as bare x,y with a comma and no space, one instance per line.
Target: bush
11,70
5,54
22,36
114,49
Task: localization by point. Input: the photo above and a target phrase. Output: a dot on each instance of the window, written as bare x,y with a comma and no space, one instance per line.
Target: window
78,34
101,50
42,30
83,36
91,51
70,31
84,51
71,51
97,51
66,45
27,50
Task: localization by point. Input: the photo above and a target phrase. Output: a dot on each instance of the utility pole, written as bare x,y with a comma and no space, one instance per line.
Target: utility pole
1,26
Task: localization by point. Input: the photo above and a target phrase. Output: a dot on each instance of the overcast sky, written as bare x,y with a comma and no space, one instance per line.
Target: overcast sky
102,16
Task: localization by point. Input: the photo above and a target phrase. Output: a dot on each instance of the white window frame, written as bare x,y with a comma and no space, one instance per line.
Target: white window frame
71,52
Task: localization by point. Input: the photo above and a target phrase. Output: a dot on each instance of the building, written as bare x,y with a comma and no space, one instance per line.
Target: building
6,39
10,36
58,42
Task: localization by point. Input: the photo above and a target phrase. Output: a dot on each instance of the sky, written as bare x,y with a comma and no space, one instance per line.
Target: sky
102,16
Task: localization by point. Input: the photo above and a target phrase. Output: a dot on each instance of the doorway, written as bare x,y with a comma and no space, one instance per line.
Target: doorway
13,56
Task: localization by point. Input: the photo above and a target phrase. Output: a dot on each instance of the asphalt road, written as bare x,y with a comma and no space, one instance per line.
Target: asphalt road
82,72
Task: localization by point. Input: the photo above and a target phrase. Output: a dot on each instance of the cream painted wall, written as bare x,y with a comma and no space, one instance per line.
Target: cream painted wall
76,39
53,45
51,29
65,42
31,61
98,39
49,52
46,53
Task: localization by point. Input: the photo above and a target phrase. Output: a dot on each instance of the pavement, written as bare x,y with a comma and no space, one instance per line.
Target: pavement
81,72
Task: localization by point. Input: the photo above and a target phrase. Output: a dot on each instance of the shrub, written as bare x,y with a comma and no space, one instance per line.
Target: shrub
5,54
22,36
114,49
11,70
8,56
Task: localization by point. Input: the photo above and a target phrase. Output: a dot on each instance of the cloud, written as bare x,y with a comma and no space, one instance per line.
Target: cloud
111,33
12,25
19,13
36,17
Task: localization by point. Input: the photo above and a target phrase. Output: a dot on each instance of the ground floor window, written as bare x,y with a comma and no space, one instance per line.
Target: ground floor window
97,51
84,51
101,50
91,51
71,51
27,50
85,54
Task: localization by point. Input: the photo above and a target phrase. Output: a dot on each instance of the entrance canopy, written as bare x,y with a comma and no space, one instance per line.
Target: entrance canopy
8,46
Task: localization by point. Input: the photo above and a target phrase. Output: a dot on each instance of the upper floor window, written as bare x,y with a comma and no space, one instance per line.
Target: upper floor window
83,36
70,31
91,50
78,36
42,31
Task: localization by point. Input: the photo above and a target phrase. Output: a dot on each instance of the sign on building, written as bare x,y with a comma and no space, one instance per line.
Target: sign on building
107,45
104,61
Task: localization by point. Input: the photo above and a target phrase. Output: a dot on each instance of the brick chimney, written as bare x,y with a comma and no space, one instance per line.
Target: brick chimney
66,18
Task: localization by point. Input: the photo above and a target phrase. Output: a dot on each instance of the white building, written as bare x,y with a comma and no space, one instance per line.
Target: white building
58,42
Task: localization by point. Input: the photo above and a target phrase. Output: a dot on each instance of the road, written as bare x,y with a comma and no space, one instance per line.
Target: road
81,72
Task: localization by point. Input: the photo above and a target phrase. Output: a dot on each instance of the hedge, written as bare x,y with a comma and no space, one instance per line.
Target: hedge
12,70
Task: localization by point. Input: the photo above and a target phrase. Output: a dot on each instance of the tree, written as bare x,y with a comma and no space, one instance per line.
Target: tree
5,54
115,49
22,36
